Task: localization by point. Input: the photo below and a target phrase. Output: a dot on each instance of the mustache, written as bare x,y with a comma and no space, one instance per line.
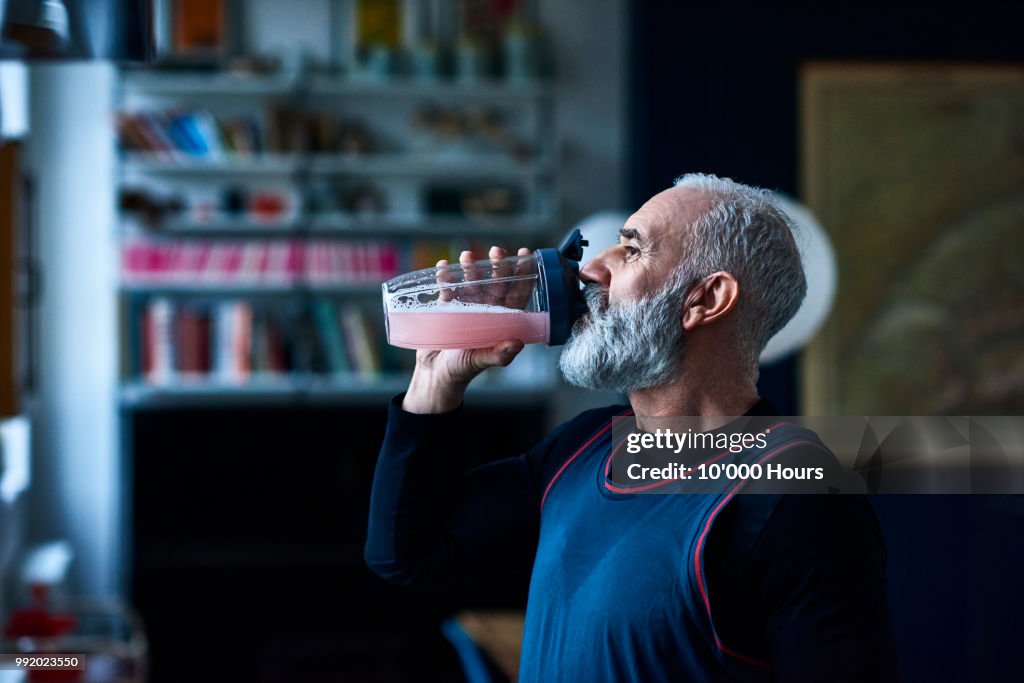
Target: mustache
596,296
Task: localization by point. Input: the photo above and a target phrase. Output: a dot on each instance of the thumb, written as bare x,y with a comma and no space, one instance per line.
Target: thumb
499,355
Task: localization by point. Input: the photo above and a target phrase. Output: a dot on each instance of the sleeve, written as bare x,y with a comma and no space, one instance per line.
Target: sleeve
430,521
819,563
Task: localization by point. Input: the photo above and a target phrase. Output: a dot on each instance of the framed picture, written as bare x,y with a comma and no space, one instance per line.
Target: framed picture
917,172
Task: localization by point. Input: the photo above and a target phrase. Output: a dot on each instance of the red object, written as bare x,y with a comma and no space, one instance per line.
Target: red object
267,205
38,621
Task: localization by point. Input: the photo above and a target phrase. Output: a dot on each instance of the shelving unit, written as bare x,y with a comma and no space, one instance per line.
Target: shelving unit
247,488
243,290
402,166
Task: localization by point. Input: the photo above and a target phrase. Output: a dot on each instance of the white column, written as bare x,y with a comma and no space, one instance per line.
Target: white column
76,471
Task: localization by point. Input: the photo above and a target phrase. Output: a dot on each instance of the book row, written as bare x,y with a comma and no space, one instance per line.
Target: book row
200,133
258,262
233,341
192,132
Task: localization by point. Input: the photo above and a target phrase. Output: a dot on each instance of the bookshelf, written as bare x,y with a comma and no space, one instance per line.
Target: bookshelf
259,215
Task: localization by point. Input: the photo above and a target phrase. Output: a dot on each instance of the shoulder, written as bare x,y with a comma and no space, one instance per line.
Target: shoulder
567,438
585,425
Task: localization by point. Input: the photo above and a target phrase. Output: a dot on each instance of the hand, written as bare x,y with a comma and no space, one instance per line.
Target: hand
518,272
440,378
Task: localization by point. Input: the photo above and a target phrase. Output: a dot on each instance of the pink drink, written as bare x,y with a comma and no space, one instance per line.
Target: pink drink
473,327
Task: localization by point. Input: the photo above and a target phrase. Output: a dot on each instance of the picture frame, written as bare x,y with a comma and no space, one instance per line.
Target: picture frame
917,172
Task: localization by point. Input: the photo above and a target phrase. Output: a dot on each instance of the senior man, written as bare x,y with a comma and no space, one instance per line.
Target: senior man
629,587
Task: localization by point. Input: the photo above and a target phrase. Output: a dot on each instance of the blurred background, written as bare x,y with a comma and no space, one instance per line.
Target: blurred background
199,200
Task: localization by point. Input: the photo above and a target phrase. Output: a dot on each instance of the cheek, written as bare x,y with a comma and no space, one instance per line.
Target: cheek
631,286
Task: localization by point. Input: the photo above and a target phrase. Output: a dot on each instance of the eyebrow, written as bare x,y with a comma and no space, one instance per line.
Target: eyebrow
632,234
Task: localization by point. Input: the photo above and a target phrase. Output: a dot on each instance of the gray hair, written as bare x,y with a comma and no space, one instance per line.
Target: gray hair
745,233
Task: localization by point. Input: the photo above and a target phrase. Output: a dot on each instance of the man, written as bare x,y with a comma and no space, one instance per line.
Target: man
710,587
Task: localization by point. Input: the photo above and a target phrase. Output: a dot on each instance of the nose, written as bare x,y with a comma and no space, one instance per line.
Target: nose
596,270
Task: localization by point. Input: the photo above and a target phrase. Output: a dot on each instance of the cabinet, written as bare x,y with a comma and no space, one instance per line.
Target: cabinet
260,213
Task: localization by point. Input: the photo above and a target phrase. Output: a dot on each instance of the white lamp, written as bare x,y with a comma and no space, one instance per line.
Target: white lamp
820,270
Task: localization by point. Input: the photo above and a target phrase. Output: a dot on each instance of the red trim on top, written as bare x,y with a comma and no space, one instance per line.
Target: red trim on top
573,457
664,482
700,548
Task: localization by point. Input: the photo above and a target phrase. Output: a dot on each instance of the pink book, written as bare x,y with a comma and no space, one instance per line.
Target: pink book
175,267
133,261
358,272
262,260
232,262
320,265
276,268
191,260
214,260
202,261
160,261
248,267
348,264
389,262
373,268
296,262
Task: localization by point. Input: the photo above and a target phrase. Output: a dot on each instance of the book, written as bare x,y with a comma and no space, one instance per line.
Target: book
360,340
192,342
207,130
182,131
158,342
330,336
232,341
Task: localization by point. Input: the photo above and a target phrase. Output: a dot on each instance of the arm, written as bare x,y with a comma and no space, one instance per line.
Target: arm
429,521
432,522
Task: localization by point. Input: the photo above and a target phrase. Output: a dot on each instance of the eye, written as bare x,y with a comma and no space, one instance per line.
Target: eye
631,251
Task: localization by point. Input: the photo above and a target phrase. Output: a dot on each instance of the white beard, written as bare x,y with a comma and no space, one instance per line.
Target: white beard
629,346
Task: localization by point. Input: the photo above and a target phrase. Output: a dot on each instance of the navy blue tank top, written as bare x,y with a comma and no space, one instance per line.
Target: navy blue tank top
618,590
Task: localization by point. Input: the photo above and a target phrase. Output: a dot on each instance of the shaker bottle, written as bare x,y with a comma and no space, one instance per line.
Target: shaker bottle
533,297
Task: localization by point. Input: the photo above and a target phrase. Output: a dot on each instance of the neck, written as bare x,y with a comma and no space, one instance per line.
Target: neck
698,394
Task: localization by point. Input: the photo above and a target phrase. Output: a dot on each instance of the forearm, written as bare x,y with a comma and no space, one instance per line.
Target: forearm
431,521
413,482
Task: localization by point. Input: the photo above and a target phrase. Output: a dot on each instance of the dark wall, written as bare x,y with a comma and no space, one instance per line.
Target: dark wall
714,89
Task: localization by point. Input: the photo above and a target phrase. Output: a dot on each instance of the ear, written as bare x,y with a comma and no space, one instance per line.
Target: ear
710,300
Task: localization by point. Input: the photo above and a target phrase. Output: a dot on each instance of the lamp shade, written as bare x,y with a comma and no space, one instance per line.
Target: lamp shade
118,30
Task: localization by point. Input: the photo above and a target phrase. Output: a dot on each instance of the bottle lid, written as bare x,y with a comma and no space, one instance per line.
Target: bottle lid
561,271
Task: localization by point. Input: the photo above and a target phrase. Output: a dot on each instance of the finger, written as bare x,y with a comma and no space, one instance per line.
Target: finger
469,293
445,275
501,267
499,355
520,292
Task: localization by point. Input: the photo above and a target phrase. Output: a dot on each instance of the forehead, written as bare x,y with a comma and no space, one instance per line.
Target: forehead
668,214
